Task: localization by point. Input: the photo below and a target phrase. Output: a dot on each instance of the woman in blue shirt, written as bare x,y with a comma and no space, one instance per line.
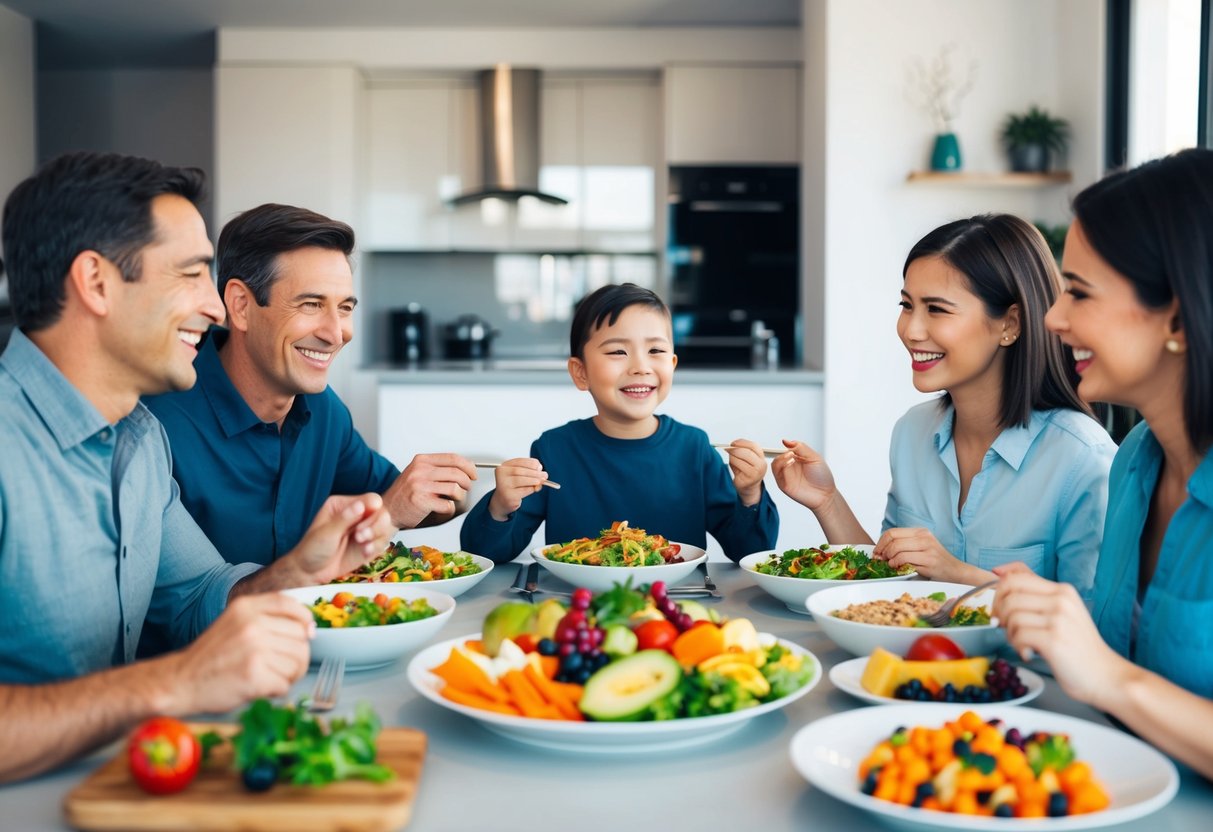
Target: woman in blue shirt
1008,464
1138,314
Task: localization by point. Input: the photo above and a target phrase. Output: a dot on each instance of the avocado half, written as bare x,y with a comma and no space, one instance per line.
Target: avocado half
625,688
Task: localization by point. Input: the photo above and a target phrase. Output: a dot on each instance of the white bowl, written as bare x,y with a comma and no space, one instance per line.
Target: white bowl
599,737
1139,780
848,677
862,639
602,578
795,591
453,587
366,647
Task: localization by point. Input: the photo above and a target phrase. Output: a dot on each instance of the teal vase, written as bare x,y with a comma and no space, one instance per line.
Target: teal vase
946,155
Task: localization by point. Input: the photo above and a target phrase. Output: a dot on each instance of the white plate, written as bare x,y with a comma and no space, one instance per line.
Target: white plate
795,591
367,647
453,587
861,639
1139,780
846,676
603,578
597,737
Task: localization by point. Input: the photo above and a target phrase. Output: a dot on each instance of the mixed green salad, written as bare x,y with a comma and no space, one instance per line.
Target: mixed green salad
348,610
619,545
821,563
962,616
401,564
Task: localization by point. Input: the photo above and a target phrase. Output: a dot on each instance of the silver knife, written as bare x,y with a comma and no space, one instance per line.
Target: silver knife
519,579
532,581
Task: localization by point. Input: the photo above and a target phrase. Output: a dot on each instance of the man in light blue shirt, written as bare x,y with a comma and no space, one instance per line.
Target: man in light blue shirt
108,259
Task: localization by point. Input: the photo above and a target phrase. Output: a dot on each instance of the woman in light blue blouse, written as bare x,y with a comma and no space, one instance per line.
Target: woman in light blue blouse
1138,314
1008,464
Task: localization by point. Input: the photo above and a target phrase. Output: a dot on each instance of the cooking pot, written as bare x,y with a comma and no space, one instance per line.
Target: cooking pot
468,336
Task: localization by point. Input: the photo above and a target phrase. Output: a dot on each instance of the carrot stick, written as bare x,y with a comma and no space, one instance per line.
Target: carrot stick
473,700
554,696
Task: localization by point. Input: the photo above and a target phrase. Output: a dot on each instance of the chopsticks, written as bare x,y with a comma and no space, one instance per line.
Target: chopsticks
725,446
548,483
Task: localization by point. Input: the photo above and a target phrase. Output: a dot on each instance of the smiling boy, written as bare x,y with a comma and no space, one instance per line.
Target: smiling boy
627,462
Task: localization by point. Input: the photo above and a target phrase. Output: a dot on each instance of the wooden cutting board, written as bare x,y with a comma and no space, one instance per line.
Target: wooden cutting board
110,800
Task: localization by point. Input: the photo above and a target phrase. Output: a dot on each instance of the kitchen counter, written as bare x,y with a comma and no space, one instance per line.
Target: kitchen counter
476,780
554,371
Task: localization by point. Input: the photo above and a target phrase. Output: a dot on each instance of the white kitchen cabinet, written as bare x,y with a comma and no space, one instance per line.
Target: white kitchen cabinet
287,134
732,115
493,422
599,148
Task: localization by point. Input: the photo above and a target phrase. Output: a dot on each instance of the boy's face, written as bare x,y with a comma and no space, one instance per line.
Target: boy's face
628,366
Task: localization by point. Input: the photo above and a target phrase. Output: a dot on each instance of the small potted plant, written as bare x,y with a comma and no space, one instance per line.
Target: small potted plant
1031,137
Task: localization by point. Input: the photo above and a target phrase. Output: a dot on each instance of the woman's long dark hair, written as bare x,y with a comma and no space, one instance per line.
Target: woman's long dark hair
1006,261
1154,225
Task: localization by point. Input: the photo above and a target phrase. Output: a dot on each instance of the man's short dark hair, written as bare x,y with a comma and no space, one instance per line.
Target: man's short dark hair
606,305
80,202
250,244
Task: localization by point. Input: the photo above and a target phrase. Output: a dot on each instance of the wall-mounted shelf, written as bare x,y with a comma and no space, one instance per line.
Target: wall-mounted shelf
991,180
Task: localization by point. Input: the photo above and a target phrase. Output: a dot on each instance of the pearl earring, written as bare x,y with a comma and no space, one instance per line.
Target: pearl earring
1173,346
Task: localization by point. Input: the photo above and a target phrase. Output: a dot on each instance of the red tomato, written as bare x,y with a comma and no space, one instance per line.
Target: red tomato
656,635
934,648
164,755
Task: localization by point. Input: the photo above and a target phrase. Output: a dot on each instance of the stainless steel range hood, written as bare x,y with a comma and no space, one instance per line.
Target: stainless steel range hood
509,136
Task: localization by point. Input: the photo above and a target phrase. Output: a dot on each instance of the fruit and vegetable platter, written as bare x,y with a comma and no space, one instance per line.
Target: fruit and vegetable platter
620,545
400,563
618,670
821,563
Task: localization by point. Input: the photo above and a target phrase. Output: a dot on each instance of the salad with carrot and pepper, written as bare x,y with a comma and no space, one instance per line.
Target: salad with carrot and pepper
402,564
620,545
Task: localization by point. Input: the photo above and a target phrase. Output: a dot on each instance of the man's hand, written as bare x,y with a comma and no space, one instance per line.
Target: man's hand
430,484
257,647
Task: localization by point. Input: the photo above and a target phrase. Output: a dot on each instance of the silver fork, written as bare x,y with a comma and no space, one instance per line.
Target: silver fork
328,684
944,614
708,583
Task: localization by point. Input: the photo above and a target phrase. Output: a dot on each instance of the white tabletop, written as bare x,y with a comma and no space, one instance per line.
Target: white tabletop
475,780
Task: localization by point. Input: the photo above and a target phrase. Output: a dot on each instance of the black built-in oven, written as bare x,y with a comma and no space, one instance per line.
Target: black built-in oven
734,264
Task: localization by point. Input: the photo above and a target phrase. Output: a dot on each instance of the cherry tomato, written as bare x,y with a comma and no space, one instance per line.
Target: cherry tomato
656,635
528,642
934,648
163,755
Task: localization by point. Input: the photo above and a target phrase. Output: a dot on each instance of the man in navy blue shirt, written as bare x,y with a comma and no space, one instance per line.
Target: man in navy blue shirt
261,441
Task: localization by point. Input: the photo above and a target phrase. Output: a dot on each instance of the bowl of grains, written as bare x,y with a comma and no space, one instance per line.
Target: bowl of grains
863,617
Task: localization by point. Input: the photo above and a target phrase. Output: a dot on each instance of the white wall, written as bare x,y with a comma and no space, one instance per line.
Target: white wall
17,135
874,137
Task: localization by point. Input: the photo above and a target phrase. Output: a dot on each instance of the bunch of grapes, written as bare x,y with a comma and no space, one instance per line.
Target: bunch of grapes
577,643
1003,681
668,608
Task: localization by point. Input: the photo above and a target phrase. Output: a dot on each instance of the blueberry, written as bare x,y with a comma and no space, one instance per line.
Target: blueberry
983,796
869,783
260,776
1059,805
546,647
582,676
572,663
1004,810
961,749
925,789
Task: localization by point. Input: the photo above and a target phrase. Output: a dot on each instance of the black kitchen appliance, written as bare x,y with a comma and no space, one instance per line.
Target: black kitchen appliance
410,334
734,265
468,336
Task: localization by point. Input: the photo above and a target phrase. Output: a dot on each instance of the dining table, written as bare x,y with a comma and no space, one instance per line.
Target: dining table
477,780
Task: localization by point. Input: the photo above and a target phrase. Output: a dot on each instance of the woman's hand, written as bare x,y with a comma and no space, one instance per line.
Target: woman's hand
1050,619
749,466
919,548
516,479
804,476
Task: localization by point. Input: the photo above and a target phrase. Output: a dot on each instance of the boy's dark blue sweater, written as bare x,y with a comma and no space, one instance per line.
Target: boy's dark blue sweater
672,483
